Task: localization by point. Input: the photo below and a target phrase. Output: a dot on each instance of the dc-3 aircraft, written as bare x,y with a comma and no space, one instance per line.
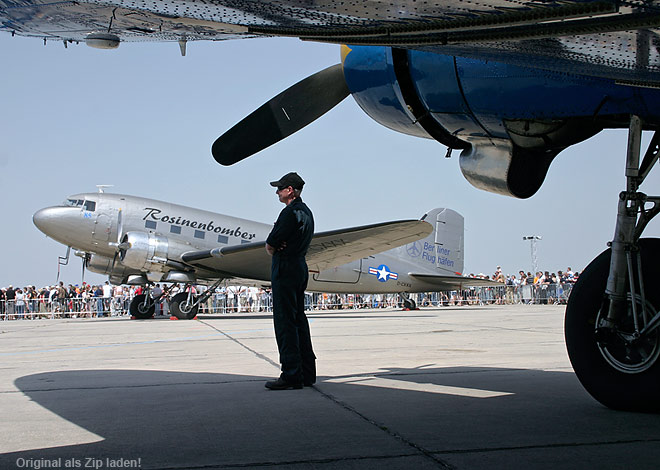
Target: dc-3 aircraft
136,240
511,84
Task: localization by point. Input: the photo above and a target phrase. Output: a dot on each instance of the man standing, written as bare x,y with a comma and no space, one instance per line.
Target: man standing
288,243
156,291
10,299
107,297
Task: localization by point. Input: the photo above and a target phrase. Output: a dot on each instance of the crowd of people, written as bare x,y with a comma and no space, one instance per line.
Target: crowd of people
86,300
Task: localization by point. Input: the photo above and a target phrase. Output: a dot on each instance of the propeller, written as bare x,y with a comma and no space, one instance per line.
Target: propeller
119,245
283,115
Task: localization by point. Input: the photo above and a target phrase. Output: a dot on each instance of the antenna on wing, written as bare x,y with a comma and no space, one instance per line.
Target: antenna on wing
101,187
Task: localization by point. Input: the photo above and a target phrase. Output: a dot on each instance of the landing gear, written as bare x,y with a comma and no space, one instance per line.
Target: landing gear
617,362
184,306
407,303
142,307
612,324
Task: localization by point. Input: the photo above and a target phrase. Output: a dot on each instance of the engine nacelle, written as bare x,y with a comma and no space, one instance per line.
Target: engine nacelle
103,265
144,251
509,121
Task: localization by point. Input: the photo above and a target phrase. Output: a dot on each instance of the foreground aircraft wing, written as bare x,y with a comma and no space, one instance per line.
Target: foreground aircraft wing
445,283
327,249
595,37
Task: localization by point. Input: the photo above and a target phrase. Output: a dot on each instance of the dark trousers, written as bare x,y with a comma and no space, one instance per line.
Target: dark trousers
294,342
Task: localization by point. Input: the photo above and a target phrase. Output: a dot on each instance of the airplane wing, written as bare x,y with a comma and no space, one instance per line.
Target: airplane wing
327,249
445,283
605,38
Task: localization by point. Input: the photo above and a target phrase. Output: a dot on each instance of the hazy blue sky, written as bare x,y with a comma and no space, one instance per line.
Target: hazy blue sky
143,118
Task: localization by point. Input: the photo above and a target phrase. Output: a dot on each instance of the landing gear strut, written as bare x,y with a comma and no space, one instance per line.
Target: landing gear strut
612,323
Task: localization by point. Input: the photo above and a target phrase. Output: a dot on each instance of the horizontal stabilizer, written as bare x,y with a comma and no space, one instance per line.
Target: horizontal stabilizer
327,249
445,283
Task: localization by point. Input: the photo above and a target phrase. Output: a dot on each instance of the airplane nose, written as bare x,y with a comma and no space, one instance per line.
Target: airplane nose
53,220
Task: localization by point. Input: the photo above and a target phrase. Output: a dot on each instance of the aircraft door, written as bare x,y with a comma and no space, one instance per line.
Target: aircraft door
346,273
102,227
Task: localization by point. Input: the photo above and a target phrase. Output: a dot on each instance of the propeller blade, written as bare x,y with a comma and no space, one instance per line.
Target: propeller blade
283,115
114,261
84,261
120,227
118,248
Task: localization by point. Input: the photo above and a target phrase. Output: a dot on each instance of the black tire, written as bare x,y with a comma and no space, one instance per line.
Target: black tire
137,308
180,309
408,304
620,377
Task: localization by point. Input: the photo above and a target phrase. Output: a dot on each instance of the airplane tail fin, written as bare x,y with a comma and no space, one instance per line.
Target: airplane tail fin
442,251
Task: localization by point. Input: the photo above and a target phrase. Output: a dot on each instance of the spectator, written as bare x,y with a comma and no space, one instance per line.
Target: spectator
98,295
107,296
156,292
19,298
10,298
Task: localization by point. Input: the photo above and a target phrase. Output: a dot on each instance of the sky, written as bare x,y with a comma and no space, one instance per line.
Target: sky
143,118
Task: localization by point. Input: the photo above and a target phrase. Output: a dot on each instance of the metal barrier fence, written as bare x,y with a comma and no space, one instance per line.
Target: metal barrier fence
64,308
221,303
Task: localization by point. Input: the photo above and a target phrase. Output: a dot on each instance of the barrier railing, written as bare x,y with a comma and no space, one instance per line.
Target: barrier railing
66,308
245,302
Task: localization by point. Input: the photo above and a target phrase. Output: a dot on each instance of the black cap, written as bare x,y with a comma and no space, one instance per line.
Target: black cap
290,179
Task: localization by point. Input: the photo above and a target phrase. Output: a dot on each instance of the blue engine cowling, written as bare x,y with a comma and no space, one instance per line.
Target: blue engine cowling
509,121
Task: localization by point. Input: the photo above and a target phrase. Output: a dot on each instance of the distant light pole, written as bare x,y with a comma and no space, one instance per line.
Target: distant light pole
535,260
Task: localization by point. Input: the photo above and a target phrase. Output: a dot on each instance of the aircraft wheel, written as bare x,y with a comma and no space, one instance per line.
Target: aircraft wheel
139,310
617,369
180,308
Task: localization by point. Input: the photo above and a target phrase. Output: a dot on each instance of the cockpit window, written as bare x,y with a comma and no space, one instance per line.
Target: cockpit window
89,206
73,202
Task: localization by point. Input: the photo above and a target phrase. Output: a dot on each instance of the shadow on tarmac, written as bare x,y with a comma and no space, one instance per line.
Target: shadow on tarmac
186,420
312,315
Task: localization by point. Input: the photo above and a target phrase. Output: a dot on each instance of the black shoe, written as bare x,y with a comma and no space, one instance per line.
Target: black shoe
309,383
281,384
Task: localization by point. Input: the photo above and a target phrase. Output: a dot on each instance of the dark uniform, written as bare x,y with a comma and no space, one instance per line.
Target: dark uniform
293,230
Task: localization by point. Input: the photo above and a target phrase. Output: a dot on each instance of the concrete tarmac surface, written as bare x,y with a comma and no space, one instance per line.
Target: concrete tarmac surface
454,387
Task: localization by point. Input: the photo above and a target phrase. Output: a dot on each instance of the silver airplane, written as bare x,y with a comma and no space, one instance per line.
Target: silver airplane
135,240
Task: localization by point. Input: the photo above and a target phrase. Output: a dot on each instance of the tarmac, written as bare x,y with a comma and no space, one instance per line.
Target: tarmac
453,388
